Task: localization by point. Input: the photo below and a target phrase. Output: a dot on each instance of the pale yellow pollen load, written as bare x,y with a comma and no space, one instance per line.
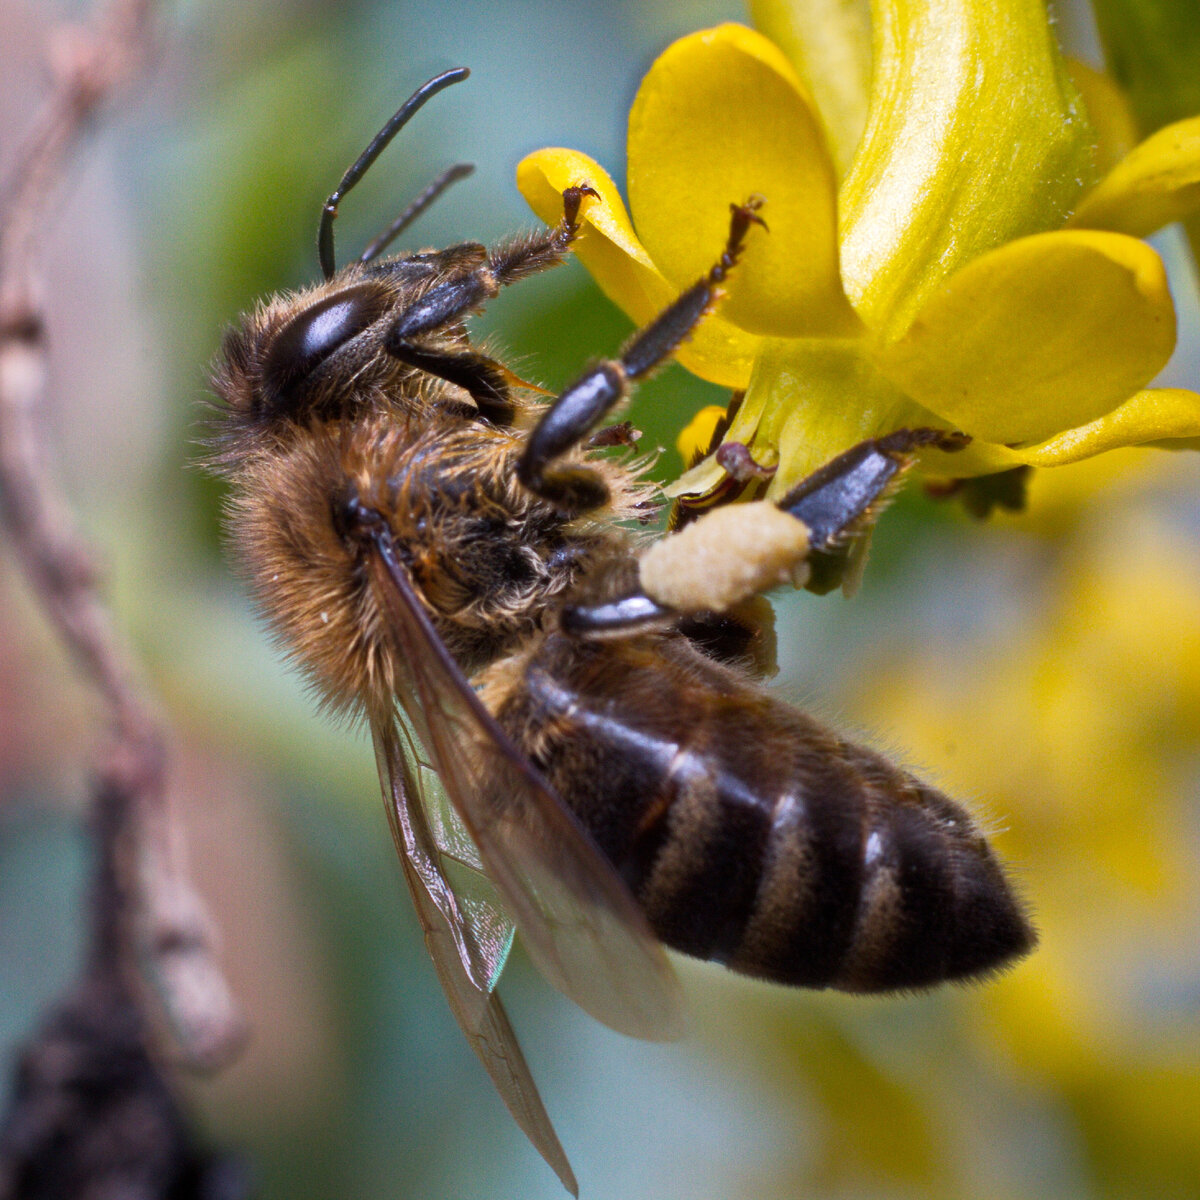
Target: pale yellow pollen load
728,555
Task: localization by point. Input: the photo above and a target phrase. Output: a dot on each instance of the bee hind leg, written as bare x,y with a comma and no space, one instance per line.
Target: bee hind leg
836,498
575,489
737,551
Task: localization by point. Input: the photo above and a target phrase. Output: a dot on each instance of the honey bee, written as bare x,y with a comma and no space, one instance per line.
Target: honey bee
569,734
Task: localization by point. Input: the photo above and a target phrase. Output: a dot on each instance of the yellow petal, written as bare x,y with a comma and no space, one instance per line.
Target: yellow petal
977,458
1156,183
1160,415
822,398
697,434
1047,333
701,480
829,44
608,247
1114,123
975,137
720,117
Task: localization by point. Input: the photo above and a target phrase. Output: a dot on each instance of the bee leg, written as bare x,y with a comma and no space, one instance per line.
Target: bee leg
626,615
455,297
527,255
836,498
484,379
745,635
596,393
737,551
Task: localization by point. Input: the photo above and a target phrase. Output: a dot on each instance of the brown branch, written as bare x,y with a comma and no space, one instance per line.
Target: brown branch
173,937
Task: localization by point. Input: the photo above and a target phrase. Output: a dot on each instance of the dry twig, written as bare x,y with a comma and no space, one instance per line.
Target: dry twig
173,936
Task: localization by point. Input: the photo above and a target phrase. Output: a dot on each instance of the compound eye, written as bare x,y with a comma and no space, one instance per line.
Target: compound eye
311,336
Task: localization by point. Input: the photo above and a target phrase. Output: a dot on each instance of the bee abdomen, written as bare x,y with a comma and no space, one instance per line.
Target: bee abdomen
883,884
753,836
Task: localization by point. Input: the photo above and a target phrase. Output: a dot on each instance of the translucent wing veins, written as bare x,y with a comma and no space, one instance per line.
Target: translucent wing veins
580,925
461,959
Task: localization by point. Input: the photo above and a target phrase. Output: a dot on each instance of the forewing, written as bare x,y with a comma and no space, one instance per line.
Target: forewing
468,946
579,923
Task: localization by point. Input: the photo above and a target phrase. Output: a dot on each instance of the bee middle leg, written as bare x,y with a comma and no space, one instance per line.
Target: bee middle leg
575,489
737,551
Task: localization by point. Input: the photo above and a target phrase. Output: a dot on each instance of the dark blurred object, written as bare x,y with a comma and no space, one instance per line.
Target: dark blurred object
92,1115
984,493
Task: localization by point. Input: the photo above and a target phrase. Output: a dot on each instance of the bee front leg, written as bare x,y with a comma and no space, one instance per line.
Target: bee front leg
575,489
740,550
527,255
484,379
466,291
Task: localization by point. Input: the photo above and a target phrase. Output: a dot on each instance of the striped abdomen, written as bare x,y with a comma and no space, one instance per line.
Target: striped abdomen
751,834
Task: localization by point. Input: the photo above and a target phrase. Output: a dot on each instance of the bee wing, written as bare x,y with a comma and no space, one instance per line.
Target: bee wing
579,923
468,938
441,863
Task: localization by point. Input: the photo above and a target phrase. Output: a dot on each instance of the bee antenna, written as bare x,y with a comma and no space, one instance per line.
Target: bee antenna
378,144
415,209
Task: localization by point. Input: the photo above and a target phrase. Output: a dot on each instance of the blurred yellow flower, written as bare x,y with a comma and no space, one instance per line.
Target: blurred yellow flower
963,274
1090,757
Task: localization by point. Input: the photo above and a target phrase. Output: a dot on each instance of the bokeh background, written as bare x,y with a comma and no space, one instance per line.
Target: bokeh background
1045,668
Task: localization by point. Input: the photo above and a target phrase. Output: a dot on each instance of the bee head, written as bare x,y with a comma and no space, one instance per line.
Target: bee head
296,359
320,354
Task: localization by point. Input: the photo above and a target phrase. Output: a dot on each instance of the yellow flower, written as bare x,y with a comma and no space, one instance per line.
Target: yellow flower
963,274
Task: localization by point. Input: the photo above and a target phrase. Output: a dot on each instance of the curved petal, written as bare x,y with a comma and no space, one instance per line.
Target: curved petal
975,137
608,247
977,458
1156,183
701,480
1044,334
1114,123
1158,415
808,400
696,436
829,44
722,116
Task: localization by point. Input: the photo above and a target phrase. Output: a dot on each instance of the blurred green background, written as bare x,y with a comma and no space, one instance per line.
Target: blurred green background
1045,668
